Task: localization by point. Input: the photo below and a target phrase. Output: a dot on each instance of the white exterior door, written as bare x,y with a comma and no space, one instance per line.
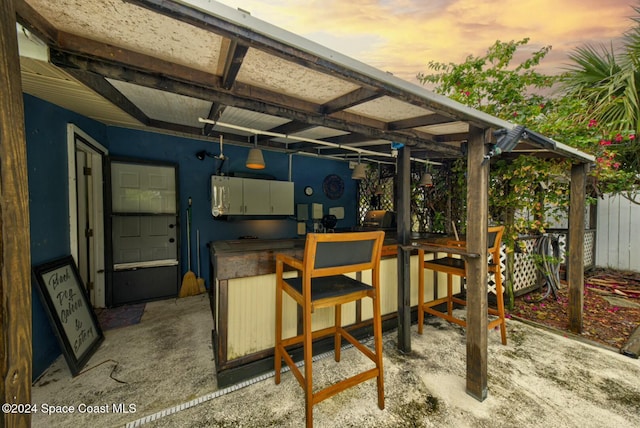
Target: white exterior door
86,213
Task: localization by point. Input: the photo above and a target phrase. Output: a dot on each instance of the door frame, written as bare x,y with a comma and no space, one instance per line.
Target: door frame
78,140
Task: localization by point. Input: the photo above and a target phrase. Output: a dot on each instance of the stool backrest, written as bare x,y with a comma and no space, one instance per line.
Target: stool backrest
494,241
338,253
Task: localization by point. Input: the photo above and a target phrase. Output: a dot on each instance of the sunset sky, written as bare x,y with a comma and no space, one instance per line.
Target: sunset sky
402,36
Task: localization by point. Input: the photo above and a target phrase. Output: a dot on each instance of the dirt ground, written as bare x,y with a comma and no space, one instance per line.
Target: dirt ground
161,371
611,307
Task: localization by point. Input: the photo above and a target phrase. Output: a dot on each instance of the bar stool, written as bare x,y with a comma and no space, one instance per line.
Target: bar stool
322,282
457,266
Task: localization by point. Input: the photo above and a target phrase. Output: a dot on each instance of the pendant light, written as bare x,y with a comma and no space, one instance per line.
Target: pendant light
426,180
360,171
255,160
379,190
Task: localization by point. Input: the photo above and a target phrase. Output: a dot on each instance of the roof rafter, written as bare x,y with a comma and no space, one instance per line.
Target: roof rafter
243,96
247,35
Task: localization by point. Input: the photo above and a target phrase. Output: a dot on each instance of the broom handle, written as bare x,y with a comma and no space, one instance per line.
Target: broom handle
198,249
189,235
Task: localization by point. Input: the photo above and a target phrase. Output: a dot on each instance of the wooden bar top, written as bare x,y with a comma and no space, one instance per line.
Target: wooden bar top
441,245
243,258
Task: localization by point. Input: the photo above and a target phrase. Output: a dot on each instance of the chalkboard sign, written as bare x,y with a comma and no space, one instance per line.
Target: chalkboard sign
69,310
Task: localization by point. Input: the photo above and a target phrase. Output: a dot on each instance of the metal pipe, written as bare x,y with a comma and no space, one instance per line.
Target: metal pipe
303,139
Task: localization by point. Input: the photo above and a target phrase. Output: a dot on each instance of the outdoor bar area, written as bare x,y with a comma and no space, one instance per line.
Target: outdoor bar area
235,154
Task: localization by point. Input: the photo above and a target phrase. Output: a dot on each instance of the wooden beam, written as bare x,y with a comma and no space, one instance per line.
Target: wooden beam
100,85
404,256
247,35
351,99
15,255
34,22
477,305
114,54
243,96
215,112
426,120
232,65
575,265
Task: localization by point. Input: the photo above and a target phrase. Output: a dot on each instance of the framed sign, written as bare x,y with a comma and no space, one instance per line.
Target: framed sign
69,311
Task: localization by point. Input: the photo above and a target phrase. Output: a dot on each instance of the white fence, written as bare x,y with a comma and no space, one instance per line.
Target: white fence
618,237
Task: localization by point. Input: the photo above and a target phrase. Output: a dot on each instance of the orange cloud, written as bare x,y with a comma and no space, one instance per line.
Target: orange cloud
402,36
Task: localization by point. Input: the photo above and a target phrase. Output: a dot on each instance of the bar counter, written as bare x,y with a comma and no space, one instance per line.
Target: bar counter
242,298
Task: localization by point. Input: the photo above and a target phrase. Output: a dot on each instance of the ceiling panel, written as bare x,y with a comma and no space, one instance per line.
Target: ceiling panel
51,84
316,133
123,24
248,119
388,109
165,106
270,72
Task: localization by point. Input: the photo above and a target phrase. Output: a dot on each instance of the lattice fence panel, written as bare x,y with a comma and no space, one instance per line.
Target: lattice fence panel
589,248
524,269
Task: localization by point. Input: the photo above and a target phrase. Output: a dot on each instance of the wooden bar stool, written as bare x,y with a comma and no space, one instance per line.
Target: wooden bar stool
321,283
457,266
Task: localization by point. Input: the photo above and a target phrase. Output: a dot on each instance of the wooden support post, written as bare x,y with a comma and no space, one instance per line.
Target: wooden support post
575,260
15,281
477,304
404,234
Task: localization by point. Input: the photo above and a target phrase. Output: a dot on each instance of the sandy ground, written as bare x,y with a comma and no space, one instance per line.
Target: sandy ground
164,367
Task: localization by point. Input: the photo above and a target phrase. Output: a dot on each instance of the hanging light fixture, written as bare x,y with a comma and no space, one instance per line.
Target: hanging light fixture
360,171
379,189
426,180
255,160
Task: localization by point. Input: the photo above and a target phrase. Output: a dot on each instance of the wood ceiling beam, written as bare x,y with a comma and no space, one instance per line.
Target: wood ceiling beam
215,112
176,127
233,63
247,35
452,138
100,85
351,99
86,47
243,96
426,120
34,22
291,127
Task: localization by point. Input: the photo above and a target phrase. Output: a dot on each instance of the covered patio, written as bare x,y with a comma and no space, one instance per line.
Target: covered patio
204,70
538,379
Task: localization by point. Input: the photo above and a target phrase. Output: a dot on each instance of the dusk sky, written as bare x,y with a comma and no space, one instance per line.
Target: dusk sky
402,36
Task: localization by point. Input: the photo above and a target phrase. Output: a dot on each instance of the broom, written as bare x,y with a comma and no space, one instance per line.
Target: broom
189,283
201,287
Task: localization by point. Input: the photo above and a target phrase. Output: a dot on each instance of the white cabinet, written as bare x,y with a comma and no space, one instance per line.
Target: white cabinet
255,194
249,196
281,197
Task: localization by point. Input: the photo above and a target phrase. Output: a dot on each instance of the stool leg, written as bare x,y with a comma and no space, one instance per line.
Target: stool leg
500,303
450,294
420,290
377,335
277,358
337,336
308,355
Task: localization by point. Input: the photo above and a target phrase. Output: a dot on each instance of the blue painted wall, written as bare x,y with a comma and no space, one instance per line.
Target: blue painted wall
46,136
45,126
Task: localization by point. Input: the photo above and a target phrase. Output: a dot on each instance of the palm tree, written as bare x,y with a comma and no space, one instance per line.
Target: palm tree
608,81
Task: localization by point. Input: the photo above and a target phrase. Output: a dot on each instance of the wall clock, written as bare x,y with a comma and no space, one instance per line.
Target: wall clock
333,186
308,190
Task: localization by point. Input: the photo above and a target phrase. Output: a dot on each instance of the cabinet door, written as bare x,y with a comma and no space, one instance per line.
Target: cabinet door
236,199
281,196
256,196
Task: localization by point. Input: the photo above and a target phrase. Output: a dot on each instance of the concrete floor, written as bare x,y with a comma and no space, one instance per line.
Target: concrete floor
163,367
